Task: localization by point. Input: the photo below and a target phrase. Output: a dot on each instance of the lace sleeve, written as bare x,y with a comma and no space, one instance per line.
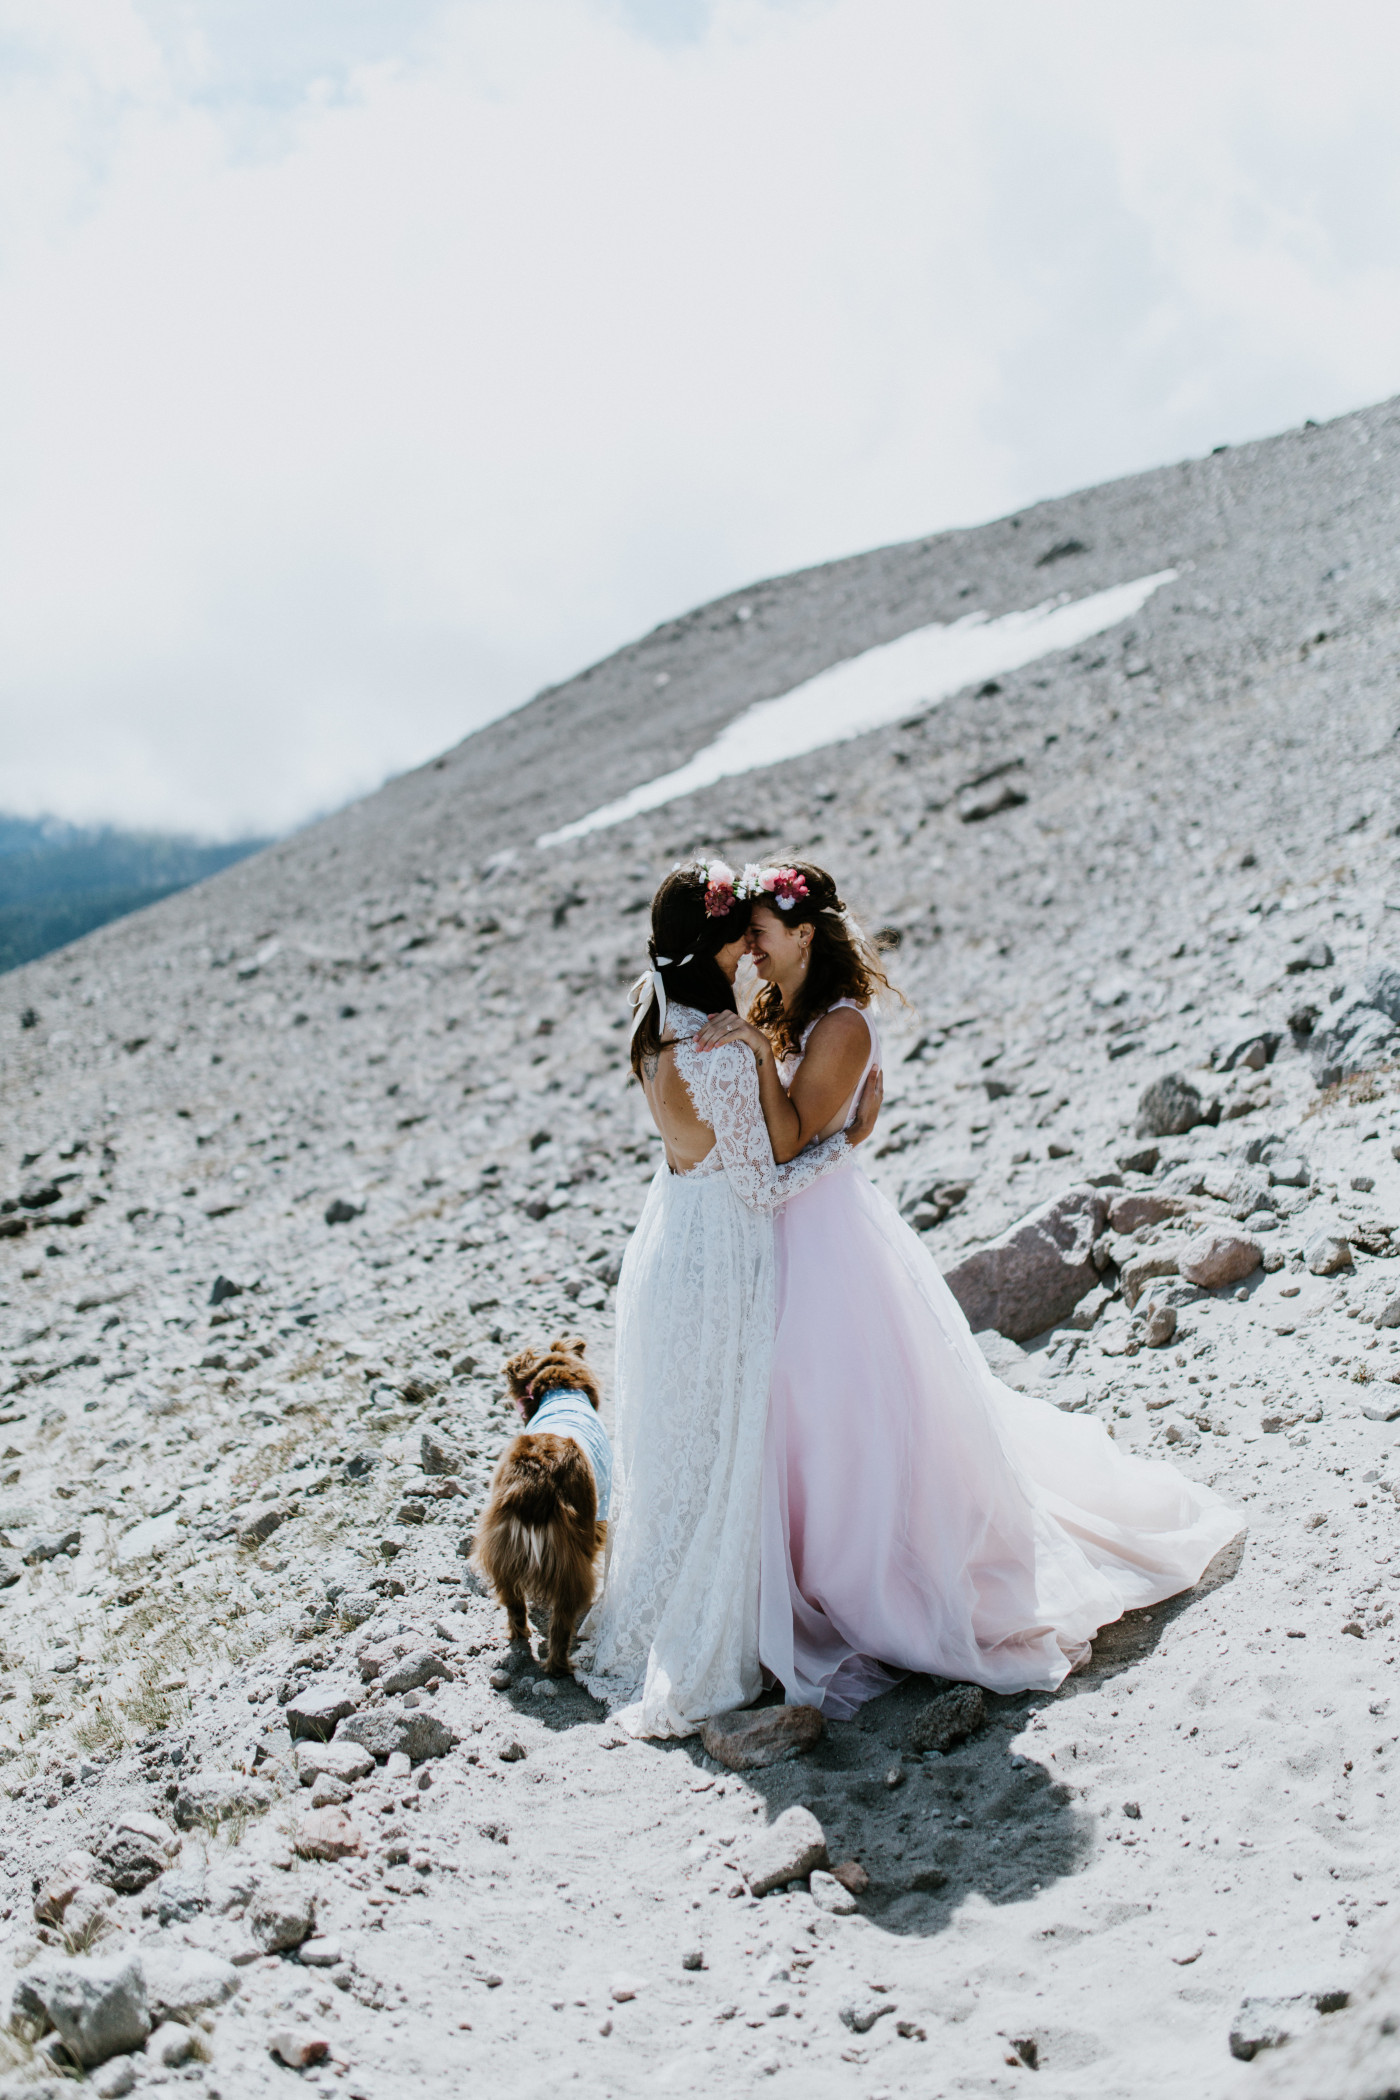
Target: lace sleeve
723,1084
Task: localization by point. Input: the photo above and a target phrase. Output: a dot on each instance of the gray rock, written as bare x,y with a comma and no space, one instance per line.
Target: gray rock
1288,1170
181,1895
1169,1107
98,2007
1277,2011
829,1895
1008,1361
1387,1313
949,1719
112,2081
1037,1272
337,1760
1138,1159
282,1914
1380,987
411,1671
353,1607
1356,1036
749,1739
11,1569
1145,1268
1248,1053
860,2016
1134,1208
315,1712
135,1852
1316,956
262,1524
1159,1327
438,1454
182,1986
1326,1254
170,2045
386,1729
1248,1192
1216,1258
48,1545
207,1798
787,1851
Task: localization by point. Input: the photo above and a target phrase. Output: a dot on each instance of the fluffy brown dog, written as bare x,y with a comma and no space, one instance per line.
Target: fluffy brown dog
540,1533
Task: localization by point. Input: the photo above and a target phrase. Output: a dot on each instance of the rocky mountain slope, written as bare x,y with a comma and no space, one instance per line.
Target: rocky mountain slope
292,1160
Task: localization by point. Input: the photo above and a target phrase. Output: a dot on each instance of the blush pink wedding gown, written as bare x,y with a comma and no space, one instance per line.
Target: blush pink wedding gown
918,1514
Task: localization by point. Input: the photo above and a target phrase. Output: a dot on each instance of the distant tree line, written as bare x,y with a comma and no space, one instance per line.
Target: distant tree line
58,882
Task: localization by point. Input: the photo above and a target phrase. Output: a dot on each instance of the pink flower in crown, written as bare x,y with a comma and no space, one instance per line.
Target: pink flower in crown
719,899
784,885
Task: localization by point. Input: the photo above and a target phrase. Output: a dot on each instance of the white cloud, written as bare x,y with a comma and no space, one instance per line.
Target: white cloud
354,385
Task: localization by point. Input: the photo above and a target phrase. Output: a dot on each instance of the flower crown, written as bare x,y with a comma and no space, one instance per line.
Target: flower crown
724,889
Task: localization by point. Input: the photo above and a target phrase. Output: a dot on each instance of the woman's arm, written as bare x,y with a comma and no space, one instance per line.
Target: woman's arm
824,1082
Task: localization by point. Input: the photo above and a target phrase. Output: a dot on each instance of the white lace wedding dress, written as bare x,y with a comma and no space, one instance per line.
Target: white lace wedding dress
674,1635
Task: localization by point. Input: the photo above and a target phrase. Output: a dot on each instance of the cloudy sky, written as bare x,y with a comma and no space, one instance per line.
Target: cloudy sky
367,364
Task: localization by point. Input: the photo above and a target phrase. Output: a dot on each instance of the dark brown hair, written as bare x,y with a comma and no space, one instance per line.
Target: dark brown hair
680,927
842,962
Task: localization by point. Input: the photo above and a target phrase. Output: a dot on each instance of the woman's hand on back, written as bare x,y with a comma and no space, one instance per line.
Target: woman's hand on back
872,1096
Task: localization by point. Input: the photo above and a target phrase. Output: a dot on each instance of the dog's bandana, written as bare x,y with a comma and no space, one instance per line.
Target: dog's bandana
564,1412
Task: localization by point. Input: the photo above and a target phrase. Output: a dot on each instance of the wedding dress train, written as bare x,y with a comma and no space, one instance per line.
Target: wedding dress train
918,1513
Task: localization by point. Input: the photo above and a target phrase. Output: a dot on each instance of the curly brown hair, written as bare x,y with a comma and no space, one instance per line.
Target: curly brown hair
842,963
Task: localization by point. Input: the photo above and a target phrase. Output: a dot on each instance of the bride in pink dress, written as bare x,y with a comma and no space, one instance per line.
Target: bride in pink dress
917,1514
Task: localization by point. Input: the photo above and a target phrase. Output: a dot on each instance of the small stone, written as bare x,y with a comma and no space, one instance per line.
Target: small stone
693,1959
1159,1328
830,1895
439,1455
948,1719
135,1851
114,2080
1363,1183
1277,2012
329,1792
1316,956
1216,1258
787,1851
852,1876
261,1525
319,1953
397,1765
1145,1268
299,2046
1185,1953
49,1545
861,2016
329,1833
208,1798
415,1732
346,1762
1141,1159
623,1989
411,1671
1132,1811
1325,1255
339,1212
180,1896
281,1917
748,1739
353,1607
1138,1207
512,1753
1169,1107
1286,1171
60,1887
316,1711
499,1680
170,2045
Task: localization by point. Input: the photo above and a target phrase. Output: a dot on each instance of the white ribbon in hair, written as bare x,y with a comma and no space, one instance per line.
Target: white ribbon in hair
648,987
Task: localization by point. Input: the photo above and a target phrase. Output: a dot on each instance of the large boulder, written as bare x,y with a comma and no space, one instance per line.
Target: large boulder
98,2007
1037,1272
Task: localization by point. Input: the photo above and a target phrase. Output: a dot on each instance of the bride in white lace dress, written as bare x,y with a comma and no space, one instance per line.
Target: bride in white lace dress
675,1632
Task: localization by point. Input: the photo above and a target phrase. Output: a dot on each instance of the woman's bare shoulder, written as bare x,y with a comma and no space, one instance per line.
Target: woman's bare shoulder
841,1028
